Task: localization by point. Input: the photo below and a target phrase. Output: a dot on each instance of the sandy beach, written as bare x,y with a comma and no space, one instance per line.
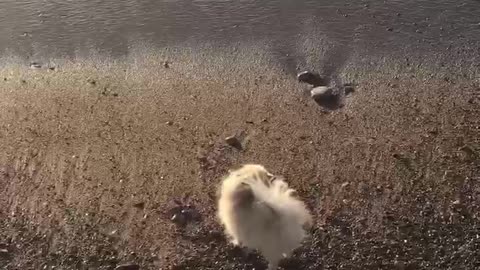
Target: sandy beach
94,151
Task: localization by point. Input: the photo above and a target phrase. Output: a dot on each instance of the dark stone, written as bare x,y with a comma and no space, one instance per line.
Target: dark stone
4,253
179,220
348,88
326,97
181,215
128,267
35,65
233,141
139,205
311,78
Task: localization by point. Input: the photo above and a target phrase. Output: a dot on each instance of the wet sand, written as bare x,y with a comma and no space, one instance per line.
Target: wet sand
94,152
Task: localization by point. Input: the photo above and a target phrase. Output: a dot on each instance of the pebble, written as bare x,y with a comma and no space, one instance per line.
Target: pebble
348,88
320,90
184,214
327,97
128,267
4,253
178,219
139,205
35,65
311,78
233,141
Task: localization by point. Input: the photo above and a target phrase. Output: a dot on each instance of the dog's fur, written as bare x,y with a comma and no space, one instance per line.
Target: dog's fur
259,211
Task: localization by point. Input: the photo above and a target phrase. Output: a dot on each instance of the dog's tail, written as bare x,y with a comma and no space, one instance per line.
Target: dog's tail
280,197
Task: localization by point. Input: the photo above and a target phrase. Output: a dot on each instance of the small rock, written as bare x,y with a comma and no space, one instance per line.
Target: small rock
399,265
234,142
433,131
169,123
183,214
393,85
311,78
468,150
91,81
348,88
327,97
179,219
345,184
456,202
389,29
139,205
166,64
128,267
35,65
4,253
52,68
320,90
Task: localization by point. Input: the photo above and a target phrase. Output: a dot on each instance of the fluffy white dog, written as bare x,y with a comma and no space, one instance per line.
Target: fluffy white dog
259,211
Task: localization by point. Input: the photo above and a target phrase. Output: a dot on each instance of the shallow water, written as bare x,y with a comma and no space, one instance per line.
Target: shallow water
62,28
